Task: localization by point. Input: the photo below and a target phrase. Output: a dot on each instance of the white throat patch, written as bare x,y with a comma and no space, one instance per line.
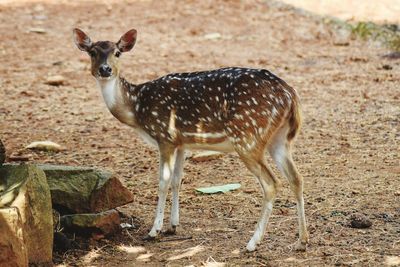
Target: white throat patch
109,90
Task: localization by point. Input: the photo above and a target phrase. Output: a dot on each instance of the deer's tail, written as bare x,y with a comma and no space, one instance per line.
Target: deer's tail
295,118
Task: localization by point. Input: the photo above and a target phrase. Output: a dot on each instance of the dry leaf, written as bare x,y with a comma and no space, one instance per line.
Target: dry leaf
132,250
392,260
212,263
187,253
236,251
212,36
144,257
37,30
45,146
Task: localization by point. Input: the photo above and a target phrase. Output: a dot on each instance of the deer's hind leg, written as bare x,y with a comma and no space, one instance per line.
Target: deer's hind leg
269,184
280,150
175,185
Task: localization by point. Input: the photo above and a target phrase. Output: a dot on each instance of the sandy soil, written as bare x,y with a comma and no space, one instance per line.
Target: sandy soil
348,151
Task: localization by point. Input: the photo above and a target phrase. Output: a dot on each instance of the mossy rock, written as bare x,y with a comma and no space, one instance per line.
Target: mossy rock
25,188
2,153
105,223
84,190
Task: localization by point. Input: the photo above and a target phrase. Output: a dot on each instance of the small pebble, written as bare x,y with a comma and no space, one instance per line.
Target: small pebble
55,80
360,221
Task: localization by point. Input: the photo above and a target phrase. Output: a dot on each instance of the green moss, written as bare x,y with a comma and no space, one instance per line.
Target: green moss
389,35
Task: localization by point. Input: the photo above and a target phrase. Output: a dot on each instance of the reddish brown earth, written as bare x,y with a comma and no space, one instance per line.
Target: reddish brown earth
348,150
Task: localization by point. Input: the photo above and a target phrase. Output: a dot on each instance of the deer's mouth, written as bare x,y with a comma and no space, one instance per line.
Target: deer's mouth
104,78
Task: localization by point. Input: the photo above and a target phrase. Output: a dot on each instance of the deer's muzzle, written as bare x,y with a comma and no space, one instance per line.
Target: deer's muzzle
105,71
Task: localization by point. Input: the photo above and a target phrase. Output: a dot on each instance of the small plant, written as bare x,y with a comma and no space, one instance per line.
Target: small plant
388,34
364,29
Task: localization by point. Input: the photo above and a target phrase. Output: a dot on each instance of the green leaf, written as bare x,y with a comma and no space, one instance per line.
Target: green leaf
218,188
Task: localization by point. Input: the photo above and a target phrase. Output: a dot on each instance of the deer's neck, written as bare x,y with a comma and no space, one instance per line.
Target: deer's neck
119,97
110,90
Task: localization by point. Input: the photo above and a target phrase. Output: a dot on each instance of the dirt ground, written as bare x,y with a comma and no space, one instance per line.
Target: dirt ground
348,150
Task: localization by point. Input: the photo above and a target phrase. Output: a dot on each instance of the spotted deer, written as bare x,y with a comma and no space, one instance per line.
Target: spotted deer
247,111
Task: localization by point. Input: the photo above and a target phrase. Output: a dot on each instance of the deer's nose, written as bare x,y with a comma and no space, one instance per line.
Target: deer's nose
105,70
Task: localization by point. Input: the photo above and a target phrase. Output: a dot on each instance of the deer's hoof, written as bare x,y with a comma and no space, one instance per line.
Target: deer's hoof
150,238
170,231
300,246
251,246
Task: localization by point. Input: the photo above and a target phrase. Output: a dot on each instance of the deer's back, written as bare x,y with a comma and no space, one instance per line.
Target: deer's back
235,103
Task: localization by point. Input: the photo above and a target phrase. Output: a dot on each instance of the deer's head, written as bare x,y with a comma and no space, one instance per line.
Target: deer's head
104,55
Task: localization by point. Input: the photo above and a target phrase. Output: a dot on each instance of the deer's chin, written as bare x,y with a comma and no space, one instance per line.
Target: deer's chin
101,78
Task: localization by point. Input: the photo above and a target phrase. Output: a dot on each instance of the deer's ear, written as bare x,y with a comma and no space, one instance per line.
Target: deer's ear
81,40
127,41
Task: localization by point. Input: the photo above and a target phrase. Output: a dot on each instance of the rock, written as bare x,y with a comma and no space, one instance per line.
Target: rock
392,55
62,243
13,251
206,156
360,221
2,153
341,37
105,223
37,30
55,80
387,67
84,190
45,146
25,188
212,36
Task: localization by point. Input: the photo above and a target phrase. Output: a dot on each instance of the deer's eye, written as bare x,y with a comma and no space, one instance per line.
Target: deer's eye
92,53
117,54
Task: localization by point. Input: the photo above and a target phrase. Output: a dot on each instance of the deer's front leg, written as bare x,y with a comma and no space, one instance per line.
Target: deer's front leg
166,170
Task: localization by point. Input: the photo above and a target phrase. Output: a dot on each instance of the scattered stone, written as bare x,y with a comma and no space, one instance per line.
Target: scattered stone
341,37
360,221
13,251
84,189
25,188
392,55
105,223
55,80
213,36
365,95
206,156
126,226
40,17
27,93
37,30
45,146
387,67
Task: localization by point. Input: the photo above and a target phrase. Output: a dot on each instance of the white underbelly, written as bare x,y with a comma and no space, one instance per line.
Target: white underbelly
146,137
225,146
